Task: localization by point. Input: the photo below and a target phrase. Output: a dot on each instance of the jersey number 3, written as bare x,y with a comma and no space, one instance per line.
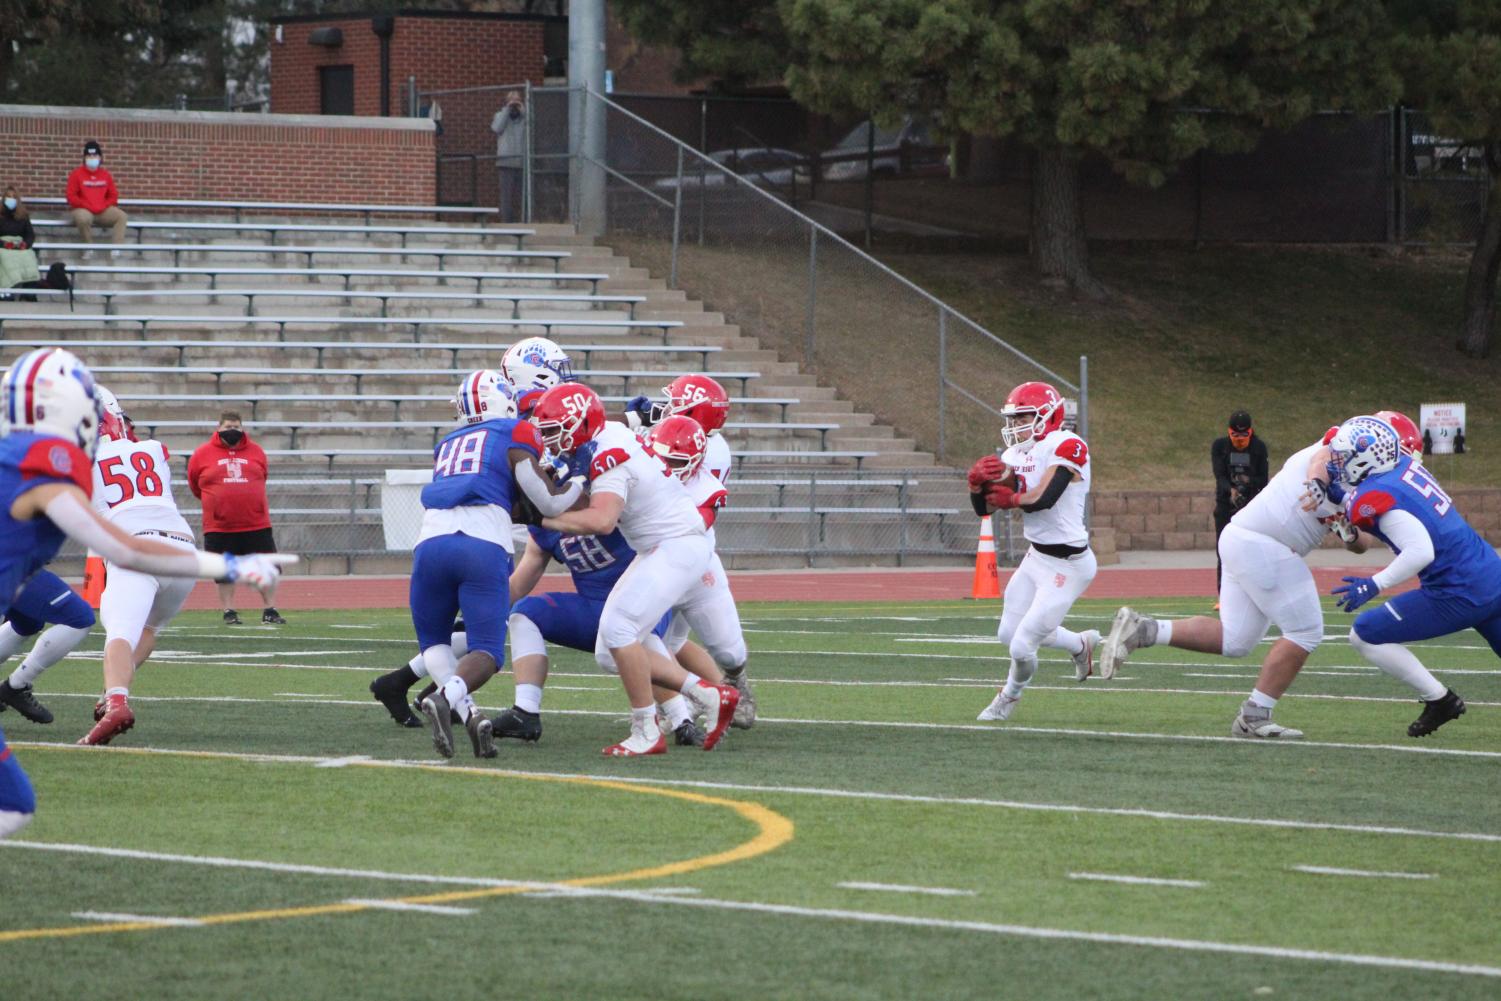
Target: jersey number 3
461,456
146,483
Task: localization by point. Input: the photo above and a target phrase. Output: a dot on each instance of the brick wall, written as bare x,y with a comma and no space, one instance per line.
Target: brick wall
216,155
1184,519
441,52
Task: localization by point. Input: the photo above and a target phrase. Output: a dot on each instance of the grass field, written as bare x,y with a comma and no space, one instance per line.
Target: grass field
265,831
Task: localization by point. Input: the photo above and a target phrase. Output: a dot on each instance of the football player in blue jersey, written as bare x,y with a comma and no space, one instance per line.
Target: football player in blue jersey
46,599
530,367
1391,497
463,556
51,415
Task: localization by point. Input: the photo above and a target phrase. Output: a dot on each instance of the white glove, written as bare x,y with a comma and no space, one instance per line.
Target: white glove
259,570
1346,531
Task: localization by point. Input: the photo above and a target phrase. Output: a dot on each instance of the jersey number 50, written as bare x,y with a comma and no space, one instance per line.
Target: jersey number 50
146,483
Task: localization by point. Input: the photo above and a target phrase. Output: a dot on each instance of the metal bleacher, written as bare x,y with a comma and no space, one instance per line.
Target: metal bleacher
346,367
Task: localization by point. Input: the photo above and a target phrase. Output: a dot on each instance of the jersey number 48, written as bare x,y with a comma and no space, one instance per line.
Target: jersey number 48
460,456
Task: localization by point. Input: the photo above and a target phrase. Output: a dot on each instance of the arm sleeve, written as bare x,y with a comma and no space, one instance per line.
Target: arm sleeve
536,488
79,523
1406,533
977,501
1051,492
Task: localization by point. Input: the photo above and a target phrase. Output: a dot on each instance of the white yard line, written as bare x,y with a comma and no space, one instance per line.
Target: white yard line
397,905
145,919
1323,870
933,891
1002,804
1105,877
903,725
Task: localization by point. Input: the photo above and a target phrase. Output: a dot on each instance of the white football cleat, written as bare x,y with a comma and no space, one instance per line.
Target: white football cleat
1000,707
1128,632
1084,659
1261,727
644,739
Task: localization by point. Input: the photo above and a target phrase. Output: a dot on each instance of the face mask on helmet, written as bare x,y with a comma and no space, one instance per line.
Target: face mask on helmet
1033,410
1363,447
568,417
1019,427
680,442
535,363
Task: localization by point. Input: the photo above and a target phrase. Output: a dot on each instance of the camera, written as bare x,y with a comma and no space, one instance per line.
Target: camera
1240,479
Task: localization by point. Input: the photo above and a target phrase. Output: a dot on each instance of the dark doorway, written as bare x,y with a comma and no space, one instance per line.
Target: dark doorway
336,90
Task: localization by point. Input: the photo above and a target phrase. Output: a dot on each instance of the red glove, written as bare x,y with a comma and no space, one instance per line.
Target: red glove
1000,498
985,470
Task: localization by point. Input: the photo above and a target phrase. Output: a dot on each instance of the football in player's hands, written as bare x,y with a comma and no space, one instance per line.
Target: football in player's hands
524,512
986,471
1000,497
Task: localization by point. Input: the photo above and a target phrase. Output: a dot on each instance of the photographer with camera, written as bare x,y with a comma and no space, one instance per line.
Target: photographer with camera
509,126
1241,470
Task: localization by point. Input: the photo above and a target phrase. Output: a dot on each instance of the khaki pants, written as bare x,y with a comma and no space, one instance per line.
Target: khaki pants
112,217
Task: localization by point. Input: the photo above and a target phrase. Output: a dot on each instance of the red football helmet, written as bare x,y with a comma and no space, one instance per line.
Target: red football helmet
696,396
1034,408
568,416
680,442
1407,432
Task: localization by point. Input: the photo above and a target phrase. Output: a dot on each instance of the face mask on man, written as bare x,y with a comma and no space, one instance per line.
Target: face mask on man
231,436
11,204
91,162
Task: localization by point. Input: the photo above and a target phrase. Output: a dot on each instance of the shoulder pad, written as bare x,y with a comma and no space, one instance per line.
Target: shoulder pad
1072,449
1366,508
524,435
607,460
55,459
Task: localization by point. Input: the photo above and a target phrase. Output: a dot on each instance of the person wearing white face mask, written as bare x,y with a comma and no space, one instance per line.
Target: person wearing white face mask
18,263
93,198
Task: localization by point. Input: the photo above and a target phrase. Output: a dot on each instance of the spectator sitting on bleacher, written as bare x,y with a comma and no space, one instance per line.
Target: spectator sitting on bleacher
93,197
18,263
228,473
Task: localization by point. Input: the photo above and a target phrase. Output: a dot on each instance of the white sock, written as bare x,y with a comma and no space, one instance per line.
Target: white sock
1020,674
644,722
417,666
455,690
120,691
440,663
466,708
1164,633
10,641
460,643
1402,664
693,682
529,697
677,711
55,644
1065,639
1262,699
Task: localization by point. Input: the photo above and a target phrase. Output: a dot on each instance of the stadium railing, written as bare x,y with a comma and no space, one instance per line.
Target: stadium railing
385,298
312,208
347,273
627,376
272,229
416,323
557,257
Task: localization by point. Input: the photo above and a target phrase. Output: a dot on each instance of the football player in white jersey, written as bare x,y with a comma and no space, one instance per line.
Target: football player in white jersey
1045,472
133,490
709,609
632,490
1265,582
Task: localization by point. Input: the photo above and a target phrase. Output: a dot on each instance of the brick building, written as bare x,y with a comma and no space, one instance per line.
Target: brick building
360,64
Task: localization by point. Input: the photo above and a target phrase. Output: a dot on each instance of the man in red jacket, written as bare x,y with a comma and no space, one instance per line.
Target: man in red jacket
228,473
93,197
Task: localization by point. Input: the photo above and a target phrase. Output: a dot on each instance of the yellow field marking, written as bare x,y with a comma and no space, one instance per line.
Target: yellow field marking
773,831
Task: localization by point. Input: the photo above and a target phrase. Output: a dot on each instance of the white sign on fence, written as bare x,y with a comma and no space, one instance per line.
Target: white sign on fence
1443,424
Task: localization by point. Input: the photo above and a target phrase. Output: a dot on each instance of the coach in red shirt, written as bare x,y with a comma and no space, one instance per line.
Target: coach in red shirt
228,473
93,199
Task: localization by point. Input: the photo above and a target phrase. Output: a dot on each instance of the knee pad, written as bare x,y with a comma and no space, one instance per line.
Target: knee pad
1357,642
616,631
731,656
602,656
1308,637
1238,646
1023,647
460,644
526,638
655,645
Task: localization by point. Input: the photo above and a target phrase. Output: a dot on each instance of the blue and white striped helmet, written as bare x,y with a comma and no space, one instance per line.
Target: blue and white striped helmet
484,396
1364,446
49,391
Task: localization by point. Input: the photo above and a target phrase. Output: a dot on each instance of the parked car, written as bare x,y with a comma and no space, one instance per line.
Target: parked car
1439,153
766,167
922,156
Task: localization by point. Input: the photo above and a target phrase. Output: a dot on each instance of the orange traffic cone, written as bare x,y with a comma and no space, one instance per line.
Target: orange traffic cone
93,581
987,580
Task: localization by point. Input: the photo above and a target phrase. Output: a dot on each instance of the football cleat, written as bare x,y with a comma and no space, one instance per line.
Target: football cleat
687,734
1255,723
643,740
745,709
717,704
1084,659
440,718
1000,707
389,692
114,720
24,702
231,617
481,735
271,617
517,724
1130,631
1436,714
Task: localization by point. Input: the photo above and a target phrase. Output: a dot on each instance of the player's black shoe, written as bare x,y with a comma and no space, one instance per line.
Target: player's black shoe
453,715
24,702
231,617
391,693
517,724
688,734
1436,714
271,617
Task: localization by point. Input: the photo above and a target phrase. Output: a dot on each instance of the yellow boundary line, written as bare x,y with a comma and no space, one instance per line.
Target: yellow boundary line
772,832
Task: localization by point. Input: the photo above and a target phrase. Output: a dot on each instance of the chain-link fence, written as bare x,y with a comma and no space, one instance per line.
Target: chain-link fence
1443,182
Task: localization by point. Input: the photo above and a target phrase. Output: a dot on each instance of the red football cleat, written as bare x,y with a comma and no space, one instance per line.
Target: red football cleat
636,745
717,702
114,720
